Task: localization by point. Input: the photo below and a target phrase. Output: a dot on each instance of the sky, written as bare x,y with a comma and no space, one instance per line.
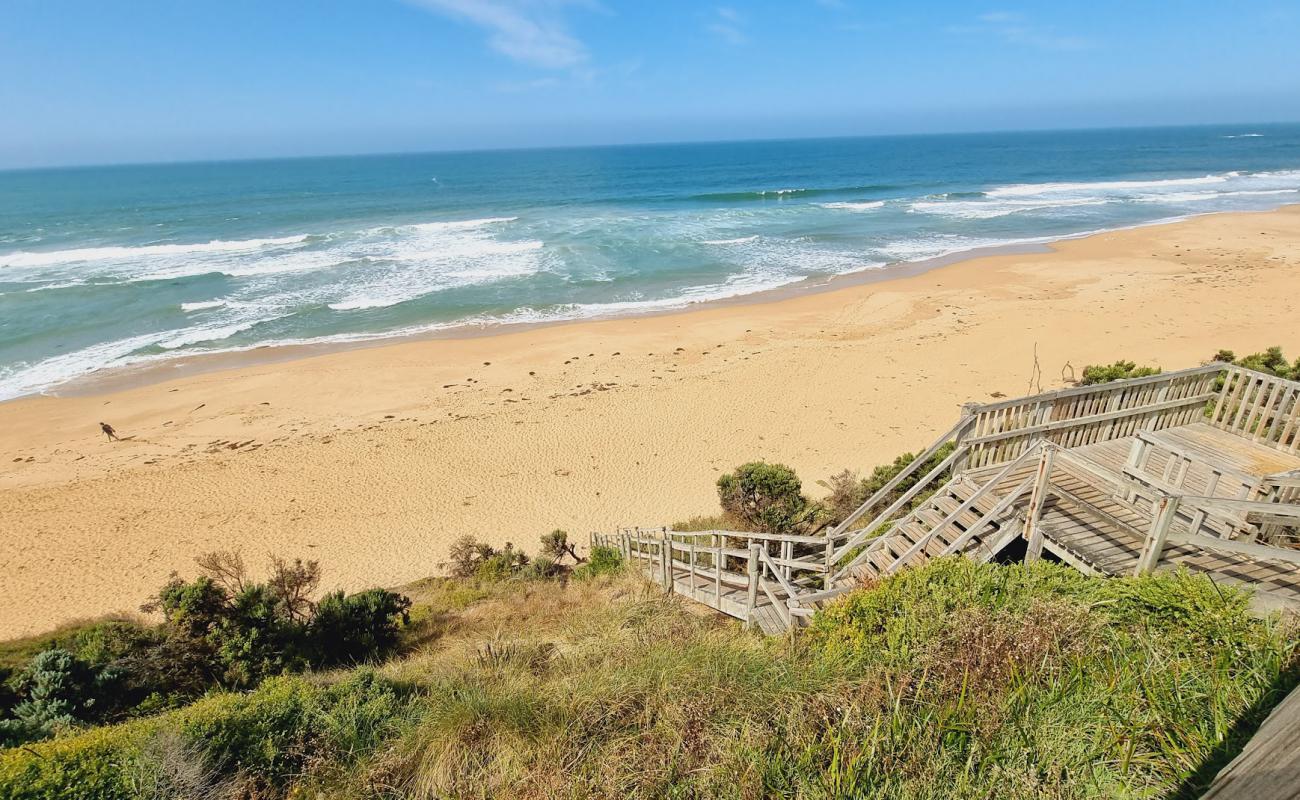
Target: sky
90,81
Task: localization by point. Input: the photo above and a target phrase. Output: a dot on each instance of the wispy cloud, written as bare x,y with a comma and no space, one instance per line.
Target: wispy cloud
727,24
1017,29
532,33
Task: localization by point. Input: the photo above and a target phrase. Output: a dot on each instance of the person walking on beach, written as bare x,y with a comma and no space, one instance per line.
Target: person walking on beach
109,432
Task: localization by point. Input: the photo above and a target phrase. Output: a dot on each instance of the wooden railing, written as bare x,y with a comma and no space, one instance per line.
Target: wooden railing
732,571
1260,407
997,433
1088,414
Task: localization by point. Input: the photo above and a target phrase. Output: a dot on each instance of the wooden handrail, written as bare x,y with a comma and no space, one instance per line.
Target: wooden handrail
1064,424
1245,477
858,536
1241,548
924,541
771,567
1075,391
1002,505
871,502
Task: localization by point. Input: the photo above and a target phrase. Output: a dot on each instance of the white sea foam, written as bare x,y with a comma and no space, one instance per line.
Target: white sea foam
855,206
1033,189
25,377
204,304
739,240
199,335
416,260
60,285
79,255
988,209
1242,135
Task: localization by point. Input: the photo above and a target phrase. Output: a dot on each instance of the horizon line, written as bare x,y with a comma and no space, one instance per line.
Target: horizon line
612,145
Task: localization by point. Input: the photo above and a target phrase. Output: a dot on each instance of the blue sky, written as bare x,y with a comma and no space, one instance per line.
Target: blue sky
89,81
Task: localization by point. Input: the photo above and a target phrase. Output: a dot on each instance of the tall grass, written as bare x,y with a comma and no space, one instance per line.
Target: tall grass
956,680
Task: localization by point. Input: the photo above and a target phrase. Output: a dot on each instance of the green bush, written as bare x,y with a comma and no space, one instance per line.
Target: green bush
1120,370
765,497
603,561
351,629
100,764
1271,361
58,690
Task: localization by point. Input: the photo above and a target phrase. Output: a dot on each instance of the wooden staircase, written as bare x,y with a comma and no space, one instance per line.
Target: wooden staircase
936,528
1069,471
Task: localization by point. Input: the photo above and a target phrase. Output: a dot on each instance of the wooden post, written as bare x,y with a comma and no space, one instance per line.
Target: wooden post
1165,510
691,554
752,597
1042,482
717,578
830,553
665,554
967,411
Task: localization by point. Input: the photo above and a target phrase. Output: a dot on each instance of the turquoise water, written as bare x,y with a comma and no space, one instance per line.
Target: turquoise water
110,266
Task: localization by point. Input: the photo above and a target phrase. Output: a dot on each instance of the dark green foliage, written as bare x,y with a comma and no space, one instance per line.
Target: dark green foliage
250,631
1120,370
351,629
766,497
1271,361
193,609
255,638
8,696
955,680
603,561
219,630
227,745
556,547
57,690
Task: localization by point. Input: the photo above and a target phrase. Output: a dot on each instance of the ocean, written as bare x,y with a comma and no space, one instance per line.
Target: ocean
104,267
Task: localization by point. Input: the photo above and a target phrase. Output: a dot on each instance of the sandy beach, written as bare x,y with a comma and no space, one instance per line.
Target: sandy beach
372,460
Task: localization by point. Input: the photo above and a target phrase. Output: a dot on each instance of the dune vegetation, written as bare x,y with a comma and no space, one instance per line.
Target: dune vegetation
954,680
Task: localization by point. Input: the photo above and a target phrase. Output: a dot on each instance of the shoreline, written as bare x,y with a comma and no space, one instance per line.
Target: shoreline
157,370
372,460
113,379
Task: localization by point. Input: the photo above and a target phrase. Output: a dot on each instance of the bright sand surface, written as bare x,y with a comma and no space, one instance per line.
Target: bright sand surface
373,460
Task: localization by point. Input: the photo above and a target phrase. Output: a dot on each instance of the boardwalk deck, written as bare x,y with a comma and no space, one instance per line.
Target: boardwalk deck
1269,766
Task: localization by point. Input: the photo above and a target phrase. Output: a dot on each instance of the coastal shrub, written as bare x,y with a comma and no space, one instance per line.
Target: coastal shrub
603,561
954,680
255,640
1271,361
1120,370
226,745
465,555
502,564
765,497
350,629
57,690
102,763
556,546
251,631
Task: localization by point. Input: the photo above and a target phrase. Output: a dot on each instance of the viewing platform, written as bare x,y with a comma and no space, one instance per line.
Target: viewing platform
1195,469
